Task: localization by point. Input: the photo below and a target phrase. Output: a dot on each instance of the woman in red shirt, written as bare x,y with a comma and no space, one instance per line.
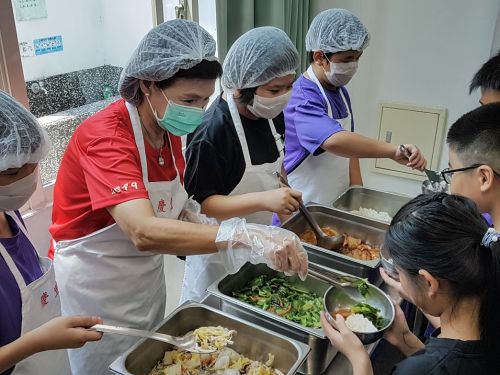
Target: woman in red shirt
119,194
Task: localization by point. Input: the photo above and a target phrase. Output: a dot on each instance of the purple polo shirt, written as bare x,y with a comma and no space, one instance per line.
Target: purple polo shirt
24,255
307,124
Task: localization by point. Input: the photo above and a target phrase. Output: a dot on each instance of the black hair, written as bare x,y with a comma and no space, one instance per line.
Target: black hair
246,95
475,136
310,56
488,77
204,70
443,235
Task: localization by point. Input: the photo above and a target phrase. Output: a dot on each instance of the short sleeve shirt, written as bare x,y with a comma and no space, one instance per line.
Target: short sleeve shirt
25,257
445,357
101,168
215,161
307,122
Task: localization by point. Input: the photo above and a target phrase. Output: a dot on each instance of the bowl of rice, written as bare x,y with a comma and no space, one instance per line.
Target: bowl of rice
367,314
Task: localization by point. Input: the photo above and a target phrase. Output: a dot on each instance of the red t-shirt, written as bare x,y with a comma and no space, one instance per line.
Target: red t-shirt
101,168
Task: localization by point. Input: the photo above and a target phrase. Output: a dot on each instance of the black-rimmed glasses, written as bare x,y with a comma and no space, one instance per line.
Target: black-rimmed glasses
447,173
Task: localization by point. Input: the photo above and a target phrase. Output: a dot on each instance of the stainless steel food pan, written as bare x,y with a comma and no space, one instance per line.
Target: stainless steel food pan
252,341
357,196
322,353
369,231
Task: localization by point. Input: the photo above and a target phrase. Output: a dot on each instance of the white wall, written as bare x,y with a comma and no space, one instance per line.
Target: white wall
94,33
124,24
423,53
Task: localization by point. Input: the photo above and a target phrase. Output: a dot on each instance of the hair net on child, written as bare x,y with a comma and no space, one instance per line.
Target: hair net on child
170,46
257,57
336,30
22,139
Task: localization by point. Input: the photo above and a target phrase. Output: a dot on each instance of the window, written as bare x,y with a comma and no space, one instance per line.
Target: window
65,62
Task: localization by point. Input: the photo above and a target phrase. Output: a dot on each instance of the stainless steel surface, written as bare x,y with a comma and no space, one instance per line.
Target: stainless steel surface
186,342
356,197
369,231
322,352
342,297
252,341
324,241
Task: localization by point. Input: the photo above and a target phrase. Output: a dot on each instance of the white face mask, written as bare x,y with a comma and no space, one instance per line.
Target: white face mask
16,194
341,73
269,107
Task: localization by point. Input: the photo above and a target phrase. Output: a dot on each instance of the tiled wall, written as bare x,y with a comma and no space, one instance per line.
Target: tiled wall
73,89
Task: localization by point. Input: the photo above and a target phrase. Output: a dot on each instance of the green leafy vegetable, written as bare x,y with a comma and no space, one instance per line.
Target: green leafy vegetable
369,312
279,296
363,287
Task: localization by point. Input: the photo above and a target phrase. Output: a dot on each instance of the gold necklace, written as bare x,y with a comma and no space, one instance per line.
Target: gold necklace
161,161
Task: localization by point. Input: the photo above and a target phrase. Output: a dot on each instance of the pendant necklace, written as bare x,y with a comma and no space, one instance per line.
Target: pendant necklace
161,161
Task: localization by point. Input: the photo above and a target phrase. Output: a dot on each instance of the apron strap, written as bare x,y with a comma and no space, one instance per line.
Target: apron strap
8,259
349,112
239,129
139,139
315,79
277,138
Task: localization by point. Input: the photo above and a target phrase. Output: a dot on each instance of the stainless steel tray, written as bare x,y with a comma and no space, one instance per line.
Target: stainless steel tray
357,196
252,341
369,231
322,353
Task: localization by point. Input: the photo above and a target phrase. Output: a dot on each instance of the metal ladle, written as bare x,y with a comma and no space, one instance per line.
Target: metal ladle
324,241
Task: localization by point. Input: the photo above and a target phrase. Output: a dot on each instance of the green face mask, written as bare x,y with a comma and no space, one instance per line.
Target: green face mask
179,119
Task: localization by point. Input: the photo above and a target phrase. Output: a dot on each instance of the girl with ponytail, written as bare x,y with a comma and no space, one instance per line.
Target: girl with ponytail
448,261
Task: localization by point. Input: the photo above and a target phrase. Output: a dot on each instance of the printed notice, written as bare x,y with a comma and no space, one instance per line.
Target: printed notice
48,45
27,10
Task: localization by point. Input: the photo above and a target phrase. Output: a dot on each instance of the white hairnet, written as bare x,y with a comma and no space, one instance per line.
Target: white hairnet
22,139
257,57
168,47
336,30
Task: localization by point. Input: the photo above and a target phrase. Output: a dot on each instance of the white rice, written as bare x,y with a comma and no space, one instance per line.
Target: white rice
359,323
373,214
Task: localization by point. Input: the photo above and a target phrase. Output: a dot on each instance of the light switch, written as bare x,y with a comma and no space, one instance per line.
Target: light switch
423,127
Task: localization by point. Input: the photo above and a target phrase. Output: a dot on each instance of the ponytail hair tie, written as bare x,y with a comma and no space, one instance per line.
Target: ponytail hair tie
490,237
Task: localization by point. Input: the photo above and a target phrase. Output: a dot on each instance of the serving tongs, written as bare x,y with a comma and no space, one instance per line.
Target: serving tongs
330,276
433,176
324,241
186,342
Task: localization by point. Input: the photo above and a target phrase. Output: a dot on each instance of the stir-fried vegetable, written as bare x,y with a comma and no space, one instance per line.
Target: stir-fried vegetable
369,312
279,296
363,287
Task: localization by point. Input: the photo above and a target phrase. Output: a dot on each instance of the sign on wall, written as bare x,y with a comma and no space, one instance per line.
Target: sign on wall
48,45
27,10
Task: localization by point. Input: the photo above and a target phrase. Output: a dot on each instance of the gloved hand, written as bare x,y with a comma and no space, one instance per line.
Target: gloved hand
240,242
192,214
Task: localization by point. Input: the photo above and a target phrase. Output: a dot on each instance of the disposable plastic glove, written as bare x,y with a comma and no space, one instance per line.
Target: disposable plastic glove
192,214
240,242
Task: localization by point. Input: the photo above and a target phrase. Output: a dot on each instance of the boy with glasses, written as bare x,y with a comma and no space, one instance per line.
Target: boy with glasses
474,158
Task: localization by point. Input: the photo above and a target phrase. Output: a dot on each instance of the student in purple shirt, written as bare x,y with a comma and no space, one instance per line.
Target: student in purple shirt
321,148
30,329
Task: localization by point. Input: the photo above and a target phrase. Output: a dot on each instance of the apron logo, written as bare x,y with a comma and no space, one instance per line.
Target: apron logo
161,206
43,299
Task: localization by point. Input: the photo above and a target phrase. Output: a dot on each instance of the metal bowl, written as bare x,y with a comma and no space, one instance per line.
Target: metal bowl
338,297
388,264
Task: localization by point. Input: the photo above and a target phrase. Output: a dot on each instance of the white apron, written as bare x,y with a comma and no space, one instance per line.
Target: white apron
323,178
203,270
40,303
104,274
